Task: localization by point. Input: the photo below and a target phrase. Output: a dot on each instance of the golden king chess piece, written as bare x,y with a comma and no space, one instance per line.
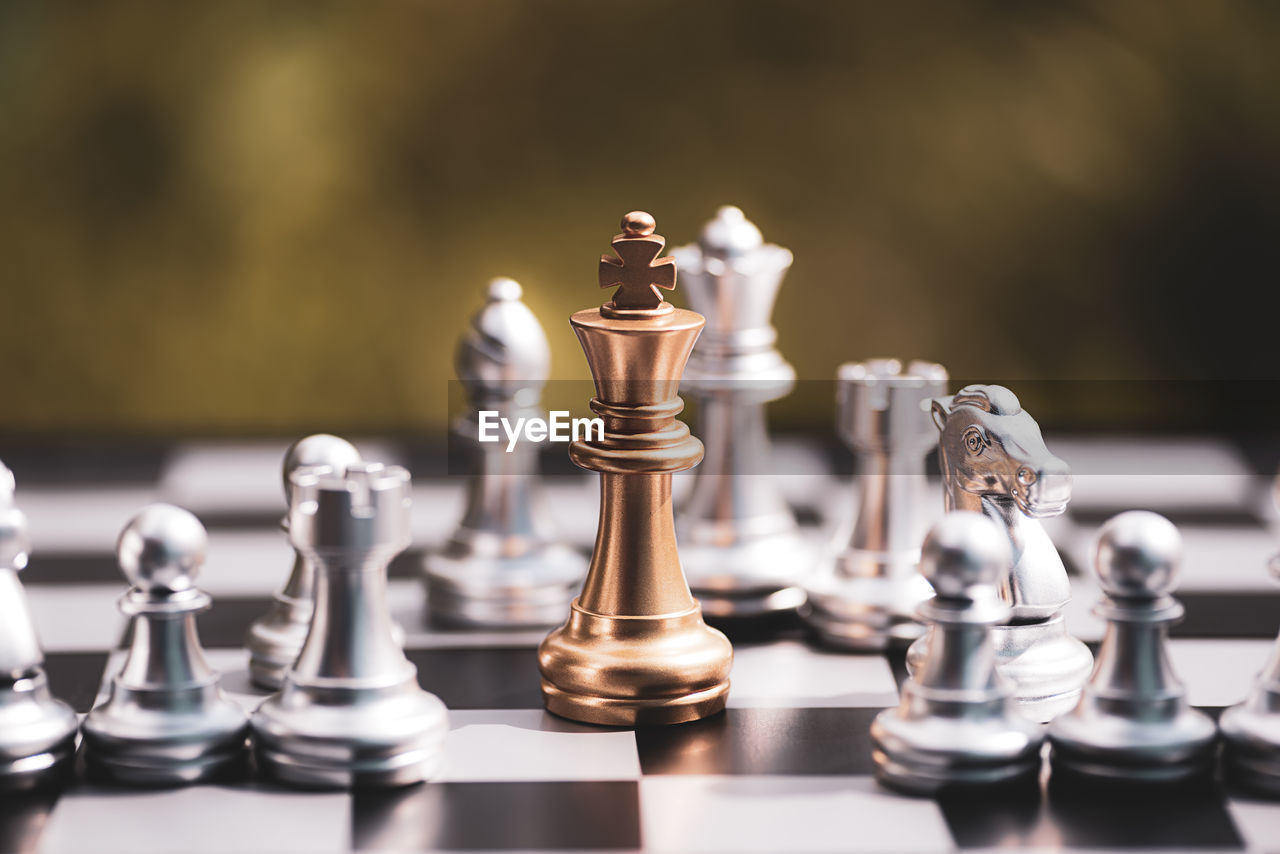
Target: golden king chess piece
635,649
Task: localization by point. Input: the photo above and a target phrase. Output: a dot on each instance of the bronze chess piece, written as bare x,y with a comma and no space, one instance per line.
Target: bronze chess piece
635,649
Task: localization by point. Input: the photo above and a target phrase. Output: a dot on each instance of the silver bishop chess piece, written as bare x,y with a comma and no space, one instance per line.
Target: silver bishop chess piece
1133,723
1251,729
165,719
865,594
350,712
740,546
994,461
503,566
957,723
37,731
275,639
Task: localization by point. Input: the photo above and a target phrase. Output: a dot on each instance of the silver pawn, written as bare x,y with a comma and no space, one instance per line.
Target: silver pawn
994,461
739,543
37,731
957,723
1133,722
1251,729
165,720
350,712
867,594
275,639
503,566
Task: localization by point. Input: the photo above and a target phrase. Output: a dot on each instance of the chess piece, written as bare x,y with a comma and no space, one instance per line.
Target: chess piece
740,546
867,594
1133,723
1251,729
957,723
635,649
502,567
37,732
165,720
350,712
275,639
994,461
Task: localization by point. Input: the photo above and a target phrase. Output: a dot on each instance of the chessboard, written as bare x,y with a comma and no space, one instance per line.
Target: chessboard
786,767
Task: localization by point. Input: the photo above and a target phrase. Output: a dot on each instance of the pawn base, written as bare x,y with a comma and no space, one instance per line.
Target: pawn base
758,576
37,735
1046,666
528,591
1251,745
276,638
170,738
1155,746
635,671
866,613
348,737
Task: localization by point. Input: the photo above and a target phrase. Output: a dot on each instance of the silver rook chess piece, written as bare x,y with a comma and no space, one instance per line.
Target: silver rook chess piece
867,592
957,723
350,712
275,639
739,543
502,566
994,461
37,732
1133,722
165,720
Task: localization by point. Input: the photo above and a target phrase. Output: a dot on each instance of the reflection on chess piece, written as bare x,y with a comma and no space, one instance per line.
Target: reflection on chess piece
37,732
957,723
635,649
1133,723
1251,729
739,543
275,639
502,566
867,593
350,712
994,461
165,720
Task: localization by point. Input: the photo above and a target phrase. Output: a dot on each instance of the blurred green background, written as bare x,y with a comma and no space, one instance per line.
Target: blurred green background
262,218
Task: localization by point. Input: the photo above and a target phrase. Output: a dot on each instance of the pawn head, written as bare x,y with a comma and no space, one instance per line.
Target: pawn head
963,551
1137,555
322,449
162,548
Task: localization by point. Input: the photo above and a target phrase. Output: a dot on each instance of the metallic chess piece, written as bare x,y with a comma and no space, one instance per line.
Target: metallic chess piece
739,543
275,639
37,732
995,462
502,566
957,723
1251,729
867,594
350,712
1133,722
165,720
635,649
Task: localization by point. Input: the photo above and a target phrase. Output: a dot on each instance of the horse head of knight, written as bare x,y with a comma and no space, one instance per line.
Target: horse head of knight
990,447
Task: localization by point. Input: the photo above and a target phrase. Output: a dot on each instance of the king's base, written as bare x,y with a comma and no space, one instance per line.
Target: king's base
868,607
753,604
938,753
1046,666
529,591
754,577
635,671
37,735
338,738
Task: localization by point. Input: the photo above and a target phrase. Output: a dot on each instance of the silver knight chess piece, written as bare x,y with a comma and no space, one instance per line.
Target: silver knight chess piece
275,639
1133,723
865,594
37,731
350,712
957,724
503,566
994,461
740,546
165,720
